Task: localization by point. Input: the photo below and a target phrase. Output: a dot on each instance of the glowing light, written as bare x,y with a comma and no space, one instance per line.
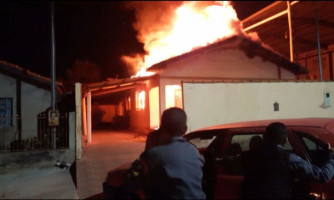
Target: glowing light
192,25
173,96
140,100
154,108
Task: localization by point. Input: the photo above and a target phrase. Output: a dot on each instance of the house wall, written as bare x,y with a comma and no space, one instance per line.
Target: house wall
224,63
218,63
139,119
310,61
154,102
235,102
163,83
109,112
8,90
34,101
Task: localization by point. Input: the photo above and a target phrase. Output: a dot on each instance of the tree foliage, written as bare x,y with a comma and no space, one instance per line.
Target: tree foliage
83,71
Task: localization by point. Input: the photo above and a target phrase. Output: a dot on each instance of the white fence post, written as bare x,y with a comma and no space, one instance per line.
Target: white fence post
78,120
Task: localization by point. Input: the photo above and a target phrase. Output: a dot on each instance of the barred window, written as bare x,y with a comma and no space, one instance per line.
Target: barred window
6,112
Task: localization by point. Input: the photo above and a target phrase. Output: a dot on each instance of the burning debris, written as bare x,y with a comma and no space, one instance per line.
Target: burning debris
169,29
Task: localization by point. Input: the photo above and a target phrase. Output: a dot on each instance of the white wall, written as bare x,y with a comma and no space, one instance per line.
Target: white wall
34,101
224,63
8,90
163,83
209,104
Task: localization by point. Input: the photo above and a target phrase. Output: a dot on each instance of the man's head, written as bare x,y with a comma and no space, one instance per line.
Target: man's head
276,133
174,121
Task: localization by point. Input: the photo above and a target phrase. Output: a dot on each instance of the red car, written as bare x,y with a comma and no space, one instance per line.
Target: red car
222,145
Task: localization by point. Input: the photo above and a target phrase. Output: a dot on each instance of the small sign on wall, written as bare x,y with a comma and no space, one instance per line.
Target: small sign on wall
53,117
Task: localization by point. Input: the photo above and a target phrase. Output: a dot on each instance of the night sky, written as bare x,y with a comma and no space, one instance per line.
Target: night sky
97,31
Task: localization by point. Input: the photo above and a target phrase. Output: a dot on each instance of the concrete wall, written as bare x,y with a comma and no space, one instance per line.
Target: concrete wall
234,102
34,101
8,90
163,83
139,119
10,161
109,112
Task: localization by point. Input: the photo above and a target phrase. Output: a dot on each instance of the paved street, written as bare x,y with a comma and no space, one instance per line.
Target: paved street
37,183
108,150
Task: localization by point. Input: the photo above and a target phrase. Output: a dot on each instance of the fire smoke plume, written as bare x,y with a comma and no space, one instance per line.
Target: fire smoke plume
171,28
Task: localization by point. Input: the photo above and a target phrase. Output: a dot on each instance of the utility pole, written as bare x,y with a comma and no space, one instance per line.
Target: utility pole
53,114
318,38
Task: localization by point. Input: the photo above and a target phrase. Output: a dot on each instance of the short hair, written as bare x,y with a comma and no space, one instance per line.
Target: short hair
255,142
275,133
174,121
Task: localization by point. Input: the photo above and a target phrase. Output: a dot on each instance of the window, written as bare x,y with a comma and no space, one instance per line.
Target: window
202,142
140,100
316,150
244,140
6,112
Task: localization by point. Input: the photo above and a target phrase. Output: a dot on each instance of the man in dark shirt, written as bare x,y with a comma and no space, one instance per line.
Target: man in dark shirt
169,168
175,168
270,170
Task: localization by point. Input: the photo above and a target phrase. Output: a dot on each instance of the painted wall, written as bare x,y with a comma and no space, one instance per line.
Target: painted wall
34,101
108,111
139,119
234,102
8,90
163,83
224,63
219,63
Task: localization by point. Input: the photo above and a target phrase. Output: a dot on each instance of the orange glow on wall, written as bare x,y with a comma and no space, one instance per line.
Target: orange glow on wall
140,100
154,108
173,96
128,104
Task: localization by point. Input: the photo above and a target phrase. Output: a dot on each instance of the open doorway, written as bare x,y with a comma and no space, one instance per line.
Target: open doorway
111,111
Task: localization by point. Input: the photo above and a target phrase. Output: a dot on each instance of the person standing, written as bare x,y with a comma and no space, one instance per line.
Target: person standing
174,170
270,171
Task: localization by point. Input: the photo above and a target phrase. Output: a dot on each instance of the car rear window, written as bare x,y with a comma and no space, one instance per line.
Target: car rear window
202,142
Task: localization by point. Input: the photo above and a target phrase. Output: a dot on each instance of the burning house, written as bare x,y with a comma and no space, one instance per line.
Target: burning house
226,55
233,59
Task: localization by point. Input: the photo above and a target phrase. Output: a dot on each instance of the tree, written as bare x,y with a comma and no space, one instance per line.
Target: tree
83,71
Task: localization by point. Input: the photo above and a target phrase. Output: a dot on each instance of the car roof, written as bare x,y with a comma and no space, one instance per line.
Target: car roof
323,123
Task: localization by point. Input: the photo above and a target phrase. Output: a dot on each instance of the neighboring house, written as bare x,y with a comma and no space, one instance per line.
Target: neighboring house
309,35
23,96
233,59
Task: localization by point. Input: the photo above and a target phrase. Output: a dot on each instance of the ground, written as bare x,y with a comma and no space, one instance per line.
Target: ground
108,150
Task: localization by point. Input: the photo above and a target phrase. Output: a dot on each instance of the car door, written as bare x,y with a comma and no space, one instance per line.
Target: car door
317,152
229,168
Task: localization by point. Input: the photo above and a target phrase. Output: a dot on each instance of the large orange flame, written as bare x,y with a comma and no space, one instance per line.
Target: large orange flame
190,25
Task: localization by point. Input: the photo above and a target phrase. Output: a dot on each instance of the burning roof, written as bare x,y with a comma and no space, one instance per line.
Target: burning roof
250,47
168,29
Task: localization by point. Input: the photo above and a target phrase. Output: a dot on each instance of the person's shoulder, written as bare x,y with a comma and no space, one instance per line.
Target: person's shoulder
154,133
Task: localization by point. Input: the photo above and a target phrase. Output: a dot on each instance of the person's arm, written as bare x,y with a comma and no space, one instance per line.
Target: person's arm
321,174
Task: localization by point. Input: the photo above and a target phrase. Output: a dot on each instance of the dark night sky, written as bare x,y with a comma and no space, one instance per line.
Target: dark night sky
99,31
